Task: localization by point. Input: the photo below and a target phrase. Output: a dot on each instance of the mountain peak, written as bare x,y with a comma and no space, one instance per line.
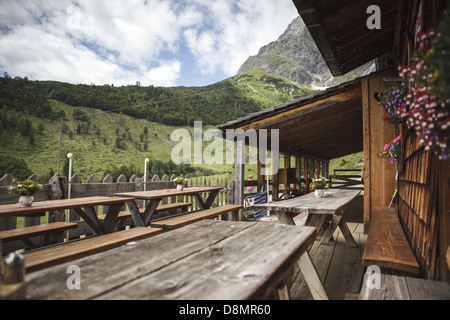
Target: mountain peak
295,56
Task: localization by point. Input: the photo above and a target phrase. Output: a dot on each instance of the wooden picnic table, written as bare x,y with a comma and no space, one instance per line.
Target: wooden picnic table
83,206
334,203
207,260
155,196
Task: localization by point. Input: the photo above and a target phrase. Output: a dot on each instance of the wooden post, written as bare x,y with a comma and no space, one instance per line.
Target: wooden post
305,168
312,168
327,169
287,161
259,169
56,192
318,168
322,168
379,174
7,223
239,168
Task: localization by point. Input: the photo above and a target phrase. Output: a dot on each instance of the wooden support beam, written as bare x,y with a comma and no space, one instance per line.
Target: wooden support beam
305,168
239,168
312,168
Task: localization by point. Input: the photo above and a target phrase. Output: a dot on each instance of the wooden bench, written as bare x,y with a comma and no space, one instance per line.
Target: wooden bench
386,244
188,218
50,256
387,247
52,233
123,215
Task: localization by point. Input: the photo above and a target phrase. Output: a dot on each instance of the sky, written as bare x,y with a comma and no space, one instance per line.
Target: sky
154,42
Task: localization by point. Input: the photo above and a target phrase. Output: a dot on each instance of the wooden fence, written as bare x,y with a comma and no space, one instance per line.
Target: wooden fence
347,180
57,188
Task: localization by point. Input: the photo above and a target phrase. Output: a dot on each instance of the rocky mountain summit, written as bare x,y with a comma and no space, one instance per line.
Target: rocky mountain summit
296,57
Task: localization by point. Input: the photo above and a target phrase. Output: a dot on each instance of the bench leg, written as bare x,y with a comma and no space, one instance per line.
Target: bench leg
312,278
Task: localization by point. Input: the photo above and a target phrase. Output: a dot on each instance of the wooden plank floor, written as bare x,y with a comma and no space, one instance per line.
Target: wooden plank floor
338,265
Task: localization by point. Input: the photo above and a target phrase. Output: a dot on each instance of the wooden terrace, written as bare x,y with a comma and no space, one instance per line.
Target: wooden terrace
287,261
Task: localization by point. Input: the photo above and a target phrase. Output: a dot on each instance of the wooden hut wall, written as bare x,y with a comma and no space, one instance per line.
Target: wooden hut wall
423,206
379,173
424,181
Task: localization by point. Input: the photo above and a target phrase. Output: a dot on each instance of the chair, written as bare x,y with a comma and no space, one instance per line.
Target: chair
259,198
308,184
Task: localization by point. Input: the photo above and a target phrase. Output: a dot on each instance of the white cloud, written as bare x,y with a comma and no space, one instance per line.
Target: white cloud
237,30
122,42
164,75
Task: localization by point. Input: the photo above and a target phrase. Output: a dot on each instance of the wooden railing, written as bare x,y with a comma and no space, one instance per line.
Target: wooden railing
347,180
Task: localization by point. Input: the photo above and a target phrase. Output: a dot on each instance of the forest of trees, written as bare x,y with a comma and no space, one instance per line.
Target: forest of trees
22,99
176,106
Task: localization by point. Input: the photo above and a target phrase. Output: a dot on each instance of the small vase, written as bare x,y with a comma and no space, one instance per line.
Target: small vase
319,193
180,187
25,201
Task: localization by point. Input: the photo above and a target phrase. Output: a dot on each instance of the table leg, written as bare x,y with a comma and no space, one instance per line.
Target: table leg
149,211
208,203
143,220
330,230
316,220
338,221
347,234
312,278
135,214
111,218
285,218
90,217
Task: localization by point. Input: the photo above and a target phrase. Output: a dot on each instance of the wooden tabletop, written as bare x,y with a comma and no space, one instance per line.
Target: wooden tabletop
159,194
334,200
208,260
51,205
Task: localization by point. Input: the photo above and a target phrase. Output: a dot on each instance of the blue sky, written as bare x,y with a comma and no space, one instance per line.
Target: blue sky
155,42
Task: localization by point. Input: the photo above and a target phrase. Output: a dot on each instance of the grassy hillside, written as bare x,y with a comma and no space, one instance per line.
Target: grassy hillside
94,147
353,161
270,90
126,125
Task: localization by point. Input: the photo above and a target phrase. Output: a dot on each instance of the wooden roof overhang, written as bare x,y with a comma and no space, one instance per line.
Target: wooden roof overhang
339,29
324,125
